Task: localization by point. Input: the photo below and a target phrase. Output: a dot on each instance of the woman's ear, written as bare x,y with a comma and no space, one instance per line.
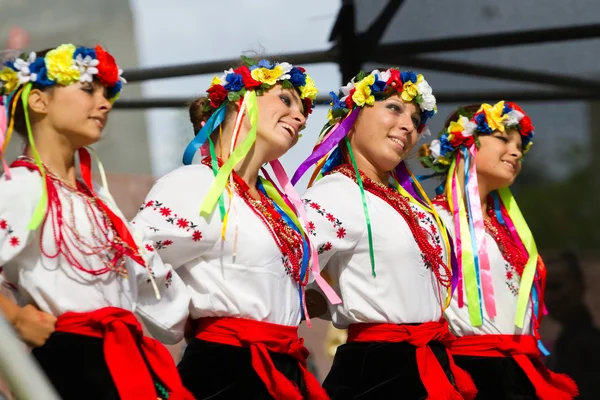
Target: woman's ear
38,101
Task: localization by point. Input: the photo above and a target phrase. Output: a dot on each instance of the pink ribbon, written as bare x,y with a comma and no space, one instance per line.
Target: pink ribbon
292,195
485,271
3,127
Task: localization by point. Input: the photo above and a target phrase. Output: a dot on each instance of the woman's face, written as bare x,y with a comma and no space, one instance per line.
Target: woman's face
498,160
280,119
385,133
79,112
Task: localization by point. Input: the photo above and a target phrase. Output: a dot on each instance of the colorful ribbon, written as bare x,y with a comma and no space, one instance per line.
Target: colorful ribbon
294,198
216,189
477,229
335,136
213,122
527,239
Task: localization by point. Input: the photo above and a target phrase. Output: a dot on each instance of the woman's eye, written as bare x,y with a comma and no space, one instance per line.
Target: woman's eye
286,100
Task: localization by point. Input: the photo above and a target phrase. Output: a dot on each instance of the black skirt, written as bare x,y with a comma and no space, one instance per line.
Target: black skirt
497,378
374,370
75,365
218,371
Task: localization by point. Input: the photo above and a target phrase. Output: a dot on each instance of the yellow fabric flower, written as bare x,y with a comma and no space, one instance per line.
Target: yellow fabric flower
362,94
59,63
10,79
329,115
493,115
309,90
409,91
456,126
215,81
268,76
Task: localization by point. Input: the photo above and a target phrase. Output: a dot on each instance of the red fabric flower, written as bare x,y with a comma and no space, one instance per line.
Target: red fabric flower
108,72
249,81
217,94
526,126
395,82
349,101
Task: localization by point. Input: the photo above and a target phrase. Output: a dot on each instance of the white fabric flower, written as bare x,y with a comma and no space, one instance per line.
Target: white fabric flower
428,102
123,80
22,67
346,89
87,67
425,132
468,126
435,148
428,99
286,67
513,118
385,75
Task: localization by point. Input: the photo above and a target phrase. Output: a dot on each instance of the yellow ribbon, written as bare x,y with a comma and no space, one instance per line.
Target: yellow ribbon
527,238
216,189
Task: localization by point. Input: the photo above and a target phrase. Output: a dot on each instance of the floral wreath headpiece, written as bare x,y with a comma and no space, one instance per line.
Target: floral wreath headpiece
464,131
459,143
63,65
362,91
241,86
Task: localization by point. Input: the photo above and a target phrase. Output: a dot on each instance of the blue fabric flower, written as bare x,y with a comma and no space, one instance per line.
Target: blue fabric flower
113,91
378,86
506,109
10,64
265,64
336,102
39,67
234,82
84,51
445,147
425,115
297,77
482,125
408,76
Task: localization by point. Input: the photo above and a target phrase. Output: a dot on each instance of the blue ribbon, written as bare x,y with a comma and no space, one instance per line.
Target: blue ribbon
305,249
213,122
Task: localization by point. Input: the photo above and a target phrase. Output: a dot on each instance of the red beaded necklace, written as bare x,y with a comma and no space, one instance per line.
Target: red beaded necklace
432,257
287,239
102,242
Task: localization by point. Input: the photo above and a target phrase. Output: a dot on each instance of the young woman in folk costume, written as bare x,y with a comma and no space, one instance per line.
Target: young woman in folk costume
381,244
498,304
235,237
64,245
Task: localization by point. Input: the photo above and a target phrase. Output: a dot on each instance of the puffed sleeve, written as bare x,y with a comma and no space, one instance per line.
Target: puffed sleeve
170,216
18,199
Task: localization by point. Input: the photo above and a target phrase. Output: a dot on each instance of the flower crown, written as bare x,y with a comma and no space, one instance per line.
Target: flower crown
465,130
260,76
64,66
364,89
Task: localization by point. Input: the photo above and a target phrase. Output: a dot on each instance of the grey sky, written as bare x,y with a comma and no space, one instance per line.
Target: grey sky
193,31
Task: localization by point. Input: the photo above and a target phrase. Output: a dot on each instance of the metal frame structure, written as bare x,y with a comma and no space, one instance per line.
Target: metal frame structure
351,50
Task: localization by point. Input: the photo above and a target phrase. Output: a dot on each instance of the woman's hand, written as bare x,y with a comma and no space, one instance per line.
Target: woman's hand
34,326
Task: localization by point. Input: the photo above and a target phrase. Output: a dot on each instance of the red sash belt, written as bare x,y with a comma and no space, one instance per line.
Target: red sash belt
122,335
261,337
523,349
432,374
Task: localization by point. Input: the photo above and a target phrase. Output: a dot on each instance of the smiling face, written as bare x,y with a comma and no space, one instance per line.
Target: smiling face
78,112
498,160
280,119
385,133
